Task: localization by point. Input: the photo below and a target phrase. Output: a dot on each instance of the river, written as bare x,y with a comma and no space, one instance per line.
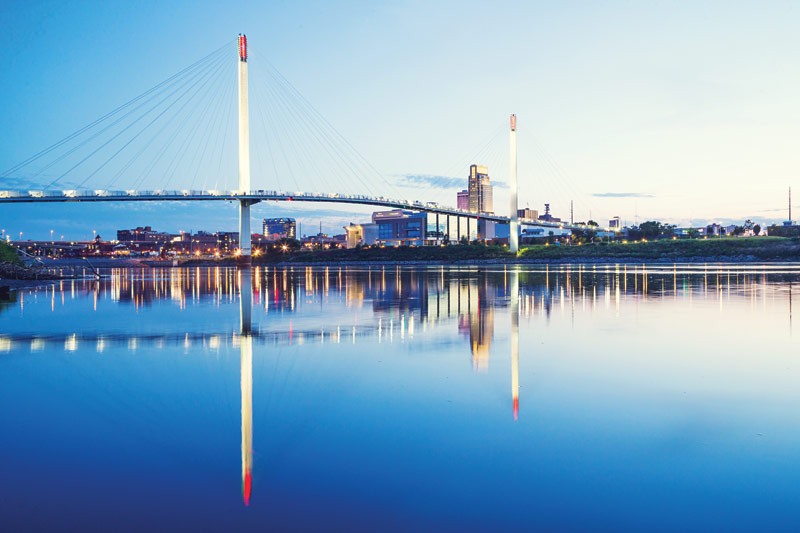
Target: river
658,397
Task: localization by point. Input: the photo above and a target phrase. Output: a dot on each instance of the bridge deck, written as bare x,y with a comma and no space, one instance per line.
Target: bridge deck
9,197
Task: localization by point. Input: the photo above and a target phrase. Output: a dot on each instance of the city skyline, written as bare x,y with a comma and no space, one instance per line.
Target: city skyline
693,127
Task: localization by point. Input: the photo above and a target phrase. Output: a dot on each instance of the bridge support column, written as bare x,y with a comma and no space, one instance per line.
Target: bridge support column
245,248
469,237
438,235
448,228
458,229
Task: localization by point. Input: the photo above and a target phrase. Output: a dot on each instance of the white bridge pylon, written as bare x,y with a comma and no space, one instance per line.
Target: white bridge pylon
244,153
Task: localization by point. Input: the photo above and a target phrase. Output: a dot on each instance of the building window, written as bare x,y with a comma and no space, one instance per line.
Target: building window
385,231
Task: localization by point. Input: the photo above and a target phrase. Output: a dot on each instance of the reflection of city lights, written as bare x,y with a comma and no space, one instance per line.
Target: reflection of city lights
71,343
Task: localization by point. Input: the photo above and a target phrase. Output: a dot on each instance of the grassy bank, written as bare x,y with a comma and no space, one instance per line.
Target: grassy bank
725,249
699,250
8,254
406,253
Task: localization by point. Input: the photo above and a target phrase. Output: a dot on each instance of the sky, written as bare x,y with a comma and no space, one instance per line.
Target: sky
683,112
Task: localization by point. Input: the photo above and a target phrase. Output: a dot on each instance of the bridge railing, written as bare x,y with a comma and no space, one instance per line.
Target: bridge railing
78,194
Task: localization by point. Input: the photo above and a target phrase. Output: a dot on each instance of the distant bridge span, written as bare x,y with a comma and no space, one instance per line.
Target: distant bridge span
13,197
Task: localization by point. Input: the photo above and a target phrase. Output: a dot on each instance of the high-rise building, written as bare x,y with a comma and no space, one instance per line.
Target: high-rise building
528,213
463,200
479,189
276,229
614,223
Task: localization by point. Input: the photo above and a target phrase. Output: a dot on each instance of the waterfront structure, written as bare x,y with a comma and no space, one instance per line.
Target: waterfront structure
275,229
489,230
479,190
364,234
401,228
462,200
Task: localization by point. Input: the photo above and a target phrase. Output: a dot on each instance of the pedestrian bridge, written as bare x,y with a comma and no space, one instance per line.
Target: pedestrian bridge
45,196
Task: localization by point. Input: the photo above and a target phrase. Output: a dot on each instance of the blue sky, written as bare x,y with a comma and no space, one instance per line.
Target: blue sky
677,111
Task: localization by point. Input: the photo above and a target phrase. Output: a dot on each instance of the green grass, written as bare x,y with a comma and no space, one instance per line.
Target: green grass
8,254
725,249
759,248
405,253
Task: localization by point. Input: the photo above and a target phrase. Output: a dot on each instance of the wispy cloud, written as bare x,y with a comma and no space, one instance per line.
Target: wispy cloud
429,180
441,182
622,195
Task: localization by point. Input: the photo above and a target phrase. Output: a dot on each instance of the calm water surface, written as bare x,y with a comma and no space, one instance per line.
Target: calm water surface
374,399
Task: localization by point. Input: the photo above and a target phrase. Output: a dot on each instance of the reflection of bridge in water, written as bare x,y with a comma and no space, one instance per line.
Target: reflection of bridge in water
402,299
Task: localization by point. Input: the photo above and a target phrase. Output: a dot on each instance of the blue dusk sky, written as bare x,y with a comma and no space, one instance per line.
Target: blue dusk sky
685,112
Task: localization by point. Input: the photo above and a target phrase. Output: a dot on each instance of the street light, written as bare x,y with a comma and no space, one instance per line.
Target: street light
51,236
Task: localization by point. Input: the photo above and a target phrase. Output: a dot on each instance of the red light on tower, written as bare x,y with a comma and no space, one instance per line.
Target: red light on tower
513,122
242,47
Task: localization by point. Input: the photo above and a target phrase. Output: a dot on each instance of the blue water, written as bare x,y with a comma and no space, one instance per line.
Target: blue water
392,399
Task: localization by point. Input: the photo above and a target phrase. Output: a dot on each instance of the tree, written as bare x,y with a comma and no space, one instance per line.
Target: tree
652,229
592,223
756,229
584,235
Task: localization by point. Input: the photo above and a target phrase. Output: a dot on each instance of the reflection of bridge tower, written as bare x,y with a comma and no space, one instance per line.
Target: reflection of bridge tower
246,349
515,341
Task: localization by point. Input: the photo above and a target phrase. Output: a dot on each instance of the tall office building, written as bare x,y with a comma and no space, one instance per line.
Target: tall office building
463,200
480,190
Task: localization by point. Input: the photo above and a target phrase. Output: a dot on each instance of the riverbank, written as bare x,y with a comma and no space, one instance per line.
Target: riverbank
725,250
